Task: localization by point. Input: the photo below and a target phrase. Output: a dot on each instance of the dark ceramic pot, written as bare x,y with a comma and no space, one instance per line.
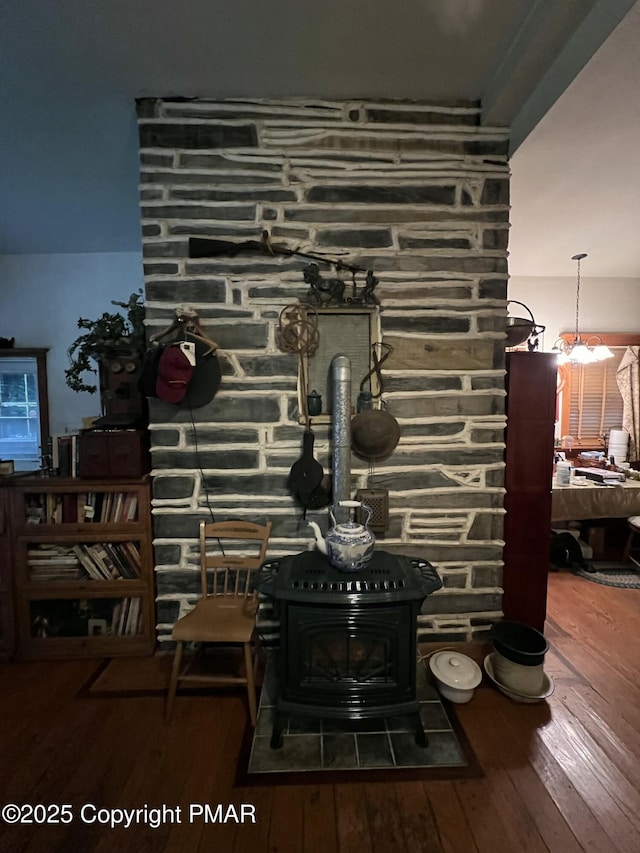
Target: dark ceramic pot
519,643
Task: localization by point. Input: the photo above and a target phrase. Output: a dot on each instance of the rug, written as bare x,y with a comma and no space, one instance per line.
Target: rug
317,750
611,574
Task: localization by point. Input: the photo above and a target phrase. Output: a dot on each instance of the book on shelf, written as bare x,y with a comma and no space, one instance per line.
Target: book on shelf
54,573
115,616
98,499
89,508
97,507
69,508
87,562
121,560
116,510
54,508
104,562
81,506
130,510
66,455
47,550
123,615
49,563
105,507
133,617
134,555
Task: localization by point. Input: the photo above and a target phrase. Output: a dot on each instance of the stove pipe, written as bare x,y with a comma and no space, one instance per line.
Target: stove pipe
341,379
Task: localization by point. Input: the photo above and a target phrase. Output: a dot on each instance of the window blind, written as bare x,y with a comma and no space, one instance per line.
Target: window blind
595,401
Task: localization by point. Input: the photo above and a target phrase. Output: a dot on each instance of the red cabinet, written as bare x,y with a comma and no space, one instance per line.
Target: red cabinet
531,410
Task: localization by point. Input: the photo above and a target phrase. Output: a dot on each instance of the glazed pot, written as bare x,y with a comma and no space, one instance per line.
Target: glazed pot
456,675
519,643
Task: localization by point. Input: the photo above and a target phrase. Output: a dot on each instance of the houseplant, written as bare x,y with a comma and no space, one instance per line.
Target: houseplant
102,339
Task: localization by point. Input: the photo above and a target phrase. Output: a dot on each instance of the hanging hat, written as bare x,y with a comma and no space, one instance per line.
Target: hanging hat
149,369
174,374
205,379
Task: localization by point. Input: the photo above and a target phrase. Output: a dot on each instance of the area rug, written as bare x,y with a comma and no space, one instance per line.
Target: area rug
611,574
317,750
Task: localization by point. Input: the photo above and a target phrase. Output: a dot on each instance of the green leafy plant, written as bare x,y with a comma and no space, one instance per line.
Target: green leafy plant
102,337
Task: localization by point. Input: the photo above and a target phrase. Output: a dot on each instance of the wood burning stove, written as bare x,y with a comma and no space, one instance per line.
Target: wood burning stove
347,640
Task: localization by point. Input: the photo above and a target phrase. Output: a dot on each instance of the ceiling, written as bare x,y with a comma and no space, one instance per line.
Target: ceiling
71,70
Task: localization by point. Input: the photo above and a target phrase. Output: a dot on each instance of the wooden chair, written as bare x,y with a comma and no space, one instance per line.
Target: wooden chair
634,530
226,614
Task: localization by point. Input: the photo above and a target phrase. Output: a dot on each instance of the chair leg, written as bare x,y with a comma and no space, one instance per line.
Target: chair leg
257,654
173,682
629,547
251,684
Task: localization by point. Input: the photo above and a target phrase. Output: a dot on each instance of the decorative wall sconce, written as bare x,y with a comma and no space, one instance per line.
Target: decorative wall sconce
581,351
334,292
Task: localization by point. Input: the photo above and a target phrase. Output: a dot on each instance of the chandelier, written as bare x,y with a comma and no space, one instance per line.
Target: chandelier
581,351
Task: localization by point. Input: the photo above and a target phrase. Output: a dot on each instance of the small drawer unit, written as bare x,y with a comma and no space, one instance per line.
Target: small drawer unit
118,453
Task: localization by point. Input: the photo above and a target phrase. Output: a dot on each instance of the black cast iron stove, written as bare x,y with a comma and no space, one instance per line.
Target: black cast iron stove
347,639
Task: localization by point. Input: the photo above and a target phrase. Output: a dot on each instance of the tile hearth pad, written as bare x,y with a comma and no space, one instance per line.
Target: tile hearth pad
321,744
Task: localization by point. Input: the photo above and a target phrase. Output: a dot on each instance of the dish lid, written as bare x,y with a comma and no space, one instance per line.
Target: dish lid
455,670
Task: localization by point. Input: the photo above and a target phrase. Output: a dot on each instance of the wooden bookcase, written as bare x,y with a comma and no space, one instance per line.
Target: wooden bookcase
7,631
83,567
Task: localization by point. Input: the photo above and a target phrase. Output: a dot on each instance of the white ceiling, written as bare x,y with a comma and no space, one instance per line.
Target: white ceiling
576,178
70,71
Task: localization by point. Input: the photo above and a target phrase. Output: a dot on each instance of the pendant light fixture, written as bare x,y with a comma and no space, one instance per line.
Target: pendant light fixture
579,351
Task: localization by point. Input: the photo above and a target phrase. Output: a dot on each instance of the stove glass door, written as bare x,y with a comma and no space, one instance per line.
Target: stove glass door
349,656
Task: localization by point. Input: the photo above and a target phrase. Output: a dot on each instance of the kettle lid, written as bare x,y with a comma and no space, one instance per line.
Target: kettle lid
349,527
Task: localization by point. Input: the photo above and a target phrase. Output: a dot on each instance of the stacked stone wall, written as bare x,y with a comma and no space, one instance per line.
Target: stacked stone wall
420,194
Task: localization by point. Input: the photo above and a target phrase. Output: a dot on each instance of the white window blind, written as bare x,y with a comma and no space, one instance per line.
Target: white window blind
595,402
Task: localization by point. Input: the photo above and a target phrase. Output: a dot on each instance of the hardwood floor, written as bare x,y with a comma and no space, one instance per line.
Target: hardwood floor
561,776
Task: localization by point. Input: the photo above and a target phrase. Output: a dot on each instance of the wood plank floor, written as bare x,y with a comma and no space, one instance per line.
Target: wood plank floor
562,776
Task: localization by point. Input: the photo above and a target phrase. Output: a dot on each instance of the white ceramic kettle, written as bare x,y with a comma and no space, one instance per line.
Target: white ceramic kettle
349,546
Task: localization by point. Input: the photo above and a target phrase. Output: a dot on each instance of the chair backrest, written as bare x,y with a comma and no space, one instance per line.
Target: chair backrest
230,553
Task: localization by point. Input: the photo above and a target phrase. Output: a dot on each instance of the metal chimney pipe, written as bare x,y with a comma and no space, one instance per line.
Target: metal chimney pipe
341,379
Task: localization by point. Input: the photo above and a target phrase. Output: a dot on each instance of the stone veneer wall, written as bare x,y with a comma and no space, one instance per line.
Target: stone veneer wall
420,194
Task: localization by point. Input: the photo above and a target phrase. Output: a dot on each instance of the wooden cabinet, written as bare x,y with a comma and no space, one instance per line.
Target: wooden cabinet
7,632
83,567
531,411
113,454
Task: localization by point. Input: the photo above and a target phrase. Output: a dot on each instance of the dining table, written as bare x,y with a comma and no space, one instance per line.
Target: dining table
584,498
